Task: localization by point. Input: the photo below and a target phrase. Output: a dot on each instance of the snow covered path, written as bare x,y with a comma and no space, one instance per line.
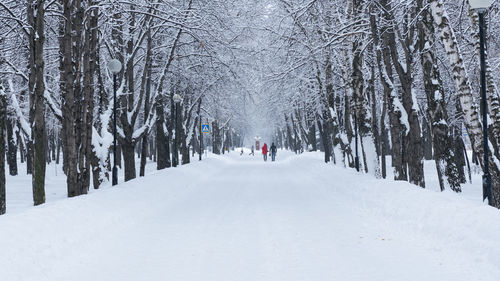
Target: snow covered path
238,218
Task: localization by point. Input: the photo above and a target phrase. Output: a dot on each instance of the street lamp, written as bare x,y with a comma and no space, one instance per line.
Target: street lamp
177,99
295,144
233,136
114,66
200,143
356,157
481,6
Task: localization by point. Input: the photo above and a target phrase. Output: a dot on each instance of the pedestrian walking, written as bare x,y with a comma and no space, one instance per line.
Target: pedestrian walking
264,151
273,152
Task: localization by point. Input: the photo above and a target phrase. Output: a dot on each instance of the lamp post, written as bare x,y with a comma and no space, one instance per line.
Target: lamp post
114,66
225,131
356,156
481,7
295,144
201,142
177,99
223,139
233,136
281,138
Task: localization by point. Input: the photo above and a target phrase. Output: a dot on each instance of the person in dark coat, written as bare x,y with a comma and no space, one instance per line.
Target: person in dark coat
273,152
264,151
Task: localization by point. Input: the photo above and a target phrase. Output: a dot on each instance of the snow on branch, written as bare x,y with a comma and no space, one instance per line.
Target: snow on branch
56,109
23,124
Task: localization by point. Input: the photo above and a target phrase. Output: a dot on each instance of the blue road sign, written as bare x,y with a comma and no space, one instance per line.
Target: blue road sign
205,128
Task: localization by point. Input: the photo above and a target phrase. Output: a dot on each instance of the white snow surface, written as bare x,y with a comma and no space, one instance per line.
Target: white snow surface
236,217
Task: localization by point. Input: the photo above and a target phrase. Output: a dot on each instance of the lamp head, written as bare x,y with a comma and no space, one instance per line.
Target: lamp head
177,98
115,66
480,4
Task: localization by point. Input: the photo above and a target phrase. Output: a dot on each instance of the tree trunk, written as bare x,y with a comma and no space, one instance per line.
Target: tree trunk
119,154
144,151
469,108
129,161
162,143
12,149
390,100
152,150
492,94
311,136
20,142
29,158
216,138
37,106
47,148
375,124
183,131
427,142
383,138
77,102
412,137
441,138
147,103
458,158
53,147
176,137
58,153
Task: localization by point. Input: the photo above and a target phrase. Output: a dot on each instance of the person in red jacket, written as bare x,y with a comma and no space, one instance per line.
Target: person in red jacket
264,151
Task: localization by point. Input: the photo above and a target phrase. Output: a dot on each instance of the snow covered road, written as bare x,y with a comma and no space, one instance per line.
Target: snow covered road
237,218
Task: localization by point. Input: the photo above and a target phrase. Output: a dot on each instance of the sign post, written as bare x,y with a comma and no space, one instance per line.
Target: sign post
205,128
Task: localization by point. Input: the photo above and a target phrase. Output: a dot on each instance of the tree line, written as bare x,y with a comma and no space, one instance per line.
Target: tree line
56,101
381,79
386,78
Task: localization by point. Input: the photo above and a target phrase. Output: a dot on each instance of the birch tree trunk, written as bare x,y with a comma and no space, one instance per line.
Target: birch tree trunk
491,89
447,169
361,106
469,107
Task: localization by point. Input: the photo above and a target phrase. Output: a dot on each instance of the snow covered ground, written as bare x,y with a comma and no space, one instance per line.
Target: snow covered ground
235,217
20,193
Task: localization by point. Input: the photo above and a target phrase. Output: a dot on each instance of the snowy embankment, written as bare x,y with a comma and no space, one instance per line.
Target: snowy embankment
237,218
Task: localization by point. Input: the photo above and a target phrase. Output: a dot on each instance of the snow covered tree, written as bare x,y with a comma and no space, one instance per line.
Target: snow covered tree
36,88
468,105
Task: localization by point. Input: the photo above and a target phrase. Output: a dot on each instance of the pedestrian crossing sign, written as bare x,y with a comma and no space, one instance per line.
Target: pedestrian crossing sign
205,128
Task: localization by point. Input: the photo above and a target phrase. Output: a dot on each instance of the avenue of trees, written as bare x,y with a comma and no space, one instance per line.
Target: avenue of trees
383,79
56,99
402,76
